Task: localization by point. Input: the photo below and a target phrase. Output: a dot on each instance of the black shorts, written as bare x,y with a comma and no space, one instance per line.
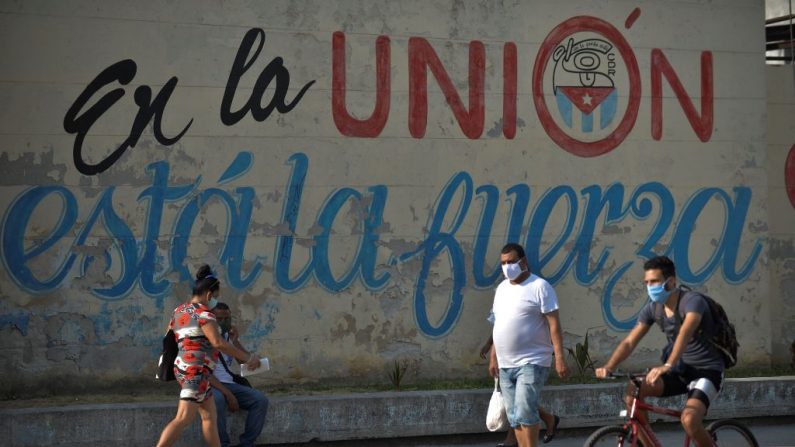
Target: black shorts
701,384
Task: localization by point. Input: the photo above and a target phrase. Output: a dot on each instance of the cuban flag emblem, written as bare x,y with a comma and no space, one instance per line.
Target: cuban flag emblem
584,89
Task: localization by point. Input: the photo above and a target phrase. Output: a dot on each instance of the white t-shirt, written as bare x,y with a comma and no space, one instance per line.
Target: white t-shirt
521,332
220,372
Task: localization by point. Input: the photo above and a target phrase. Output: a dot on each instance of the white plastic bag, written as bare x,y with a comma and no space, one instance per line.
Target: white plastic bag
496,418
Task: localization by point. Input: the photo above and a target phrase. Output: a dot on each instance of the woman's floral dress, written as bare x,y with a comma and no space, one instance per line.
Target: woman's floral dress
196,358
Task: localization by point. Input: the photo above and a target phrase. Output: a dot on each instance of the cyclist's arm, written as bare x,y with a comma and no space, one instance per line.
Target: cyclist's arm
626,346
689,326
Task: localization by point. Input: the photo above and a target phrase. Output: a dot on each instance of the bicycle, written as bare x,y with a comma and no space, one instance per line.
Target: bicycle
728,432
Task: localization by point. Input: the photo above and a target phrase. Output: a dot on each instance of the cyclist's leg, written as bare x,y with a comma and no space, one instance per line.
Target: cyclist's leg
692,421
646,390
702,392
668,385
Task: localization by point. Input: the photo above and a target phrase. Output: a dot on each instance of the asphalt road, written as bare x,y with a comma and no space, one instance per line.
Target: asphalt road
769,432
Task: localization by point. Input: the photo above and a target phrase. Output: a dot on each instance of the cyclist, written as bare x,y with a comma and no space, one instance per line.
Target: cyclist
691,364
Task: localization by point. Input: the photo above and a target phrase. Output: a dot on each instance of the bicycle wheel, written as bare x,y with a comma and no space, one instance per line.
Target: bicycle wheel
613,435
728,432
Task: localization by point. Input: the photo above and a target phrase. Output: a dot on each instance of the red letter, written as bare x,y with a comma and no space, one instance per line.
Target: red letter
701,125
421,55
789,175
509,90
346,124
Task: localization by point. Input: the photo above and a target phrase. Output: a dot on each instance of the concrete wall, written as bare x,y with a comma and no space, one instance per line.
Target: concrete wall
781,168
352,169
294,419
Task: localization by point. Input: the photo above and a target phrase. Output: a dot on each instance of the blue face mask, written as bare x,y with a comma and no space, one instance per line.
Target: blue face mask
657,293
212,302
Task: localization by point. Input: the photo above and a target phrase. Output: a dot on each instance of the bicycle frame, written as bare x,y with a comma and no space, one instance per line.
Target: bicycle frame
635,425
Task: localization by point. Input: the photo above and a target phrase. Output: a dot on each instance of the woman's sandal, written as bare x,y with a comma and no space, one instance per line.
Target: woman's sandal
549,435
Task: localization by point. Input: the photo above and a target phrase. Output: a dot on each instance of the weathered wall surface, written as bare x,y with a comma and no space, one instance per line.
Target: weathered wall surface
352,169
781,162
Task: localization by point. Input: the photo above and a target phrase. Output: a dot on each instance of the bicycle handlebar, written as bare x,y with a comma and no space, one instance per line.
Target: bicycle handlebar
625,375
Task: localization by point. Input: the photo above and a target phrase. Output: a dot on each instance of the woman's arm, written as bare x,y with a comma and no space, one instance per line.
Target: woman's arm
213,334
234,338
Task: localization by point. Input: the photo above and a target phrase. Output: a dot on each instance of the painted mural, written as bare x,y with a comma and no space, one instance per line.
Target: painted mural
353,183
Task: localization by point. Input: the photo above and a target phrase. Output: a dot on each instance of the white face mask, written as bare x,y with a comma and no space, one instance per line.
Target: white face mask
512,271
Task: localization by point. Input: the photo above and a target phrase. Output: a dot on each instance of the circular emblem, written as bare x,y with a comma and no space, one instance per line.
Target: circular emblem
586,86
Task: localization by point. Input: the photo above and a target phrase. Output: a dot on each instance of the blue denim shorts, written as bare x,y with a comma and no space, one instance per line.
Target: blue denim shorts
521,389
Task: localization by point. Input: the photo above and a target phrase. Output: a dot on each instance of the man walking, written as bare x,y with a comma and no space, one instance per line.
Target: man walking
231,395
526,332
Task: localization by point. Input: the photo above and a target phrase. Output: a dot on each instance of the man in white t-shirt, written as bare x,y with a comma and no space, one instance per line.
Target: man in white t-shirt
233,396
526,333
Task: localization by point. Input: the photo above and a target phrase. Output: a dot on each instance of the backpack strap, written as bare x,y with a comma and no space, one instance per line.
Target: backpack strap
677,311
659,315
223,362
659,312
236,378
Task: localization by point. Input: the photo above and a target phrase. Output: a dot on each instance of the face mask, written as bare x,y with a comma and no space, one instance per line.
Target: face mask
225,325
512,271
657,293
212,303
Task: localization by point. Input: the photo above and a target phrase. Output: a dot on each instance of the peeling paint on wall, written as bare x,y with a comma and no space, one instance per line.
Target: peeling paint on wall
353,183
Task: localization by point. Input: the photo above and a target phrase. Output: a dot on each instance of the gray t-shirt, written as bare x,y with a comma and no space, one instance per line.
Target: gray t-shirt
699,353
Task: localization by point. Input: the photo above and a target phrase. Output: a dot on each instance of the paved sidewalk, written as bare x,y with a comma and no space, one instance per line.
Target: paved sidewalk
770,432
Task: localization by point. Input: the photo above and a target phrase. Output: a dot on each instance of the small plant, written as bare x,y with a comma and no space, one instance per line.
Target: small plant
582,357
396,374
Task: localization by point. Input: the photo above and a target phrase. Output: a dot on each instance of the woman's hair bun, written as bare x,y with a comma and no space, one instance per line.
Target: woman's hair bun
203,272
205,281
